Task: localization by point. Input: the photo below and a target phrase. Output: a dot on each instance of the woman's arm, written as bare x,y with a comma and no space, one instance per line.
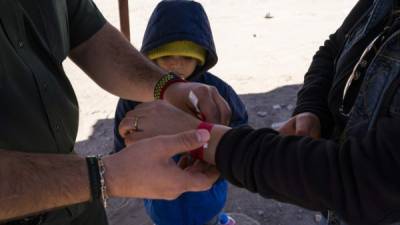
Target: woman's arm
358,179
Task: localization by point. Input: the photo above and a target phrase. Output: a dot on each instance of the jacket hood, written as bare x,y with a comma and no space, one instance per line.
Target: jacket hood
175,20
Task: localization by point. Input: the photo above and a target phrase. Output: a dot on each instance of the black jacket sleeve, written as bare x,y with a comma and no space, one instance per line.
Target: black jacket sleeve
358,179
313,97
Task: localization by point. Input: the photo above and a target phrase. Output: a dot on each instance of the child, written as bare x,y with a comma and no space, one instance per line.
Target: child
178,38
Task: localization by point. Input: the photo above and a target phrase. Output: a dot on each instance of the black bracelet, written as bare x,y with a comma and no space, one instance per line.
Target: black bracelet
94,177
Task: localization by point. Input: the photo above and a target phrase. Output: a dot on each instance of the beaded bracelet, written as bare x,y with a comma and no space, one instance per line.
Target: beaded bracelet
164,83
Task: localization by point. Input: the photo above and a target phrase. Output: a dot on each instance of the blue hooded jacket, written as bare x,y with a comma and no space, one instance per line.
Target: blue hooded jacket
174,20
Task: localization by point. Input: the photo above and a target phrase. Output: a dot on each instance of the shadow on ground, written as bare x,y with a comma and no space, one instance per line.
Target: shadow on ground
264,109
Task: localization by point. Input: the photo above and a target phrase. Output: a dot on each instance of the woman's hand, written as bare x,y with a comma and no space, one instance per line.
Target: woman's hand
303,124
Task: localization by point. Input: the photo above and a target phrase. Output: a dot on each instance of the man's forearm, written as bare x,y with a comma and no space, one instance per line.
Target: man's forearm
114,64
33,183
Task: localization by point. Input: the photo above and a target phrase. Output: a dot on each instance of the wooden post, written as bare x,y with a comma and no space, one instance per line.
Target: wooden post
124,18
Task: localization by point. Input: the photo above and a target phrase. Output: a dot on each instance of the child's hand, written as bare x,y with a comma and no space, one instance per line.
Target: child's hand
188,164
185,161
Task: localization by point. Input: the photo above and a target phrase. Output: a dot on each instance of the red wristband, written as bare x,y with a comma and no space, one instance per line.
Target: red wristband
199,153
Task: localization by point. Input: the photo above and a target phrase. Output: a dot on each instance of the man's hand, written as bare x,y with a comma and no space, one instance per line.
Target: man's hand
211,104
303,124
145,169
153,119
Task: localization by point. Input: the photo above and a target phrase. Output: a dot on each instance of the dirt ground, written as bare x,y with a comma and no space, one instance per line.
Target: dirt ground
263,58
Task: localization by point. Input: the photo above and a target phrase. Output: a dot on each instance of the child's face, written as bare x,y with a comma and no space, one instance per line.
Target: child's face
180,65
